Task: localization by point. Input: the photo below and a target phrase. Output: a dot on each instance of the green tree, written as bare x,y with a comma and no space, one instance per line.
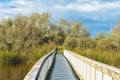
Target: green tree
65,26
86,42
80,30
24,32
70,43
102,35
116,35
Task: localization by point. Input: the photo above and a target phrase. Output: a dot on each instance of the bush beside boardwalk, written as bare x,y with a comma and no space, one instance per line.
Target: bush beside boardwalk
15,58
97,50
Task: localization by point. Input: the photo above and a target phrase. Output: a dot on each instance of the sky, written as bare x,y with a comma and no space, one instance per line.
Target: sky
96,15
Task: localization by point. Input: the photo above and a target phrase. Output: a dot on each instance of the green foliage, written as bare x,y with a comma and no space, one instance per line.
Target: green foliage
24,32
116,35
20,35
102,35
107,45
65,26
53,27
27,38
15,57
107,57
70,43
11,57
104,48
86,42
37,53
80,30
60,37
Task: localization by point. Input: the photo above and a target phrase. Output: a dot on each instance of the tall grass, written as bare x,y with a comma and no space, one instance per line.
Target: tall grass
107,57
37,53
11,57
14,58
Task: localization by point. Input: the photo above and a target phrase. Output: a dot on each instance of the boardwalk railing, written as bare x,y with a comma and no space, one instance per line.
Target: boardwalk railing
41,68
88,69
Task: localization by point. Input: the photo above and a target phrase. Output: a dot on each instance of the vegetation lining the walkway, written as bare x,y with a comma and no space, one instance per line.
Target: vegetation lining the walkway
105,52
27,38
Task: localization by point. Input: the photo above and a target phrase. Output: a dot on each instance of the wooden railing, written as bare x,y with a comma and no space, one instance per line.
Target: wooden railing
41,68
88,69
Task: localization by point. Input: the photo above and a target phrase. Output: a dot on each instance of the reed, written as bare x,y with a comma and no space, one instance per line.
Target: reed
37,53
15,57
108,57
11,57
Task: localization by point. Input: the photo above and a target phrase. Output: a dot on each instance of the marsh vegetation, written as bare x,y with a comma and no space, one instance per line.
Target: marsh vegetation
25,39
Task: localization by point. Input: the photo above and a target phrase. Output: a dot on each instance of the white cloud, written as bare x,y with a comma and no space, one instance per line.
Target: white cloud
93,9
89,6
15,7
77,7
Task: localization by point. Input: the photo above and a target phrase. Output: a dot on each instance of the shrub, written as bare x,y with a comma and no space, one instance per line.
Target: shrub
107,44
11,57
86,42
70,43
37,53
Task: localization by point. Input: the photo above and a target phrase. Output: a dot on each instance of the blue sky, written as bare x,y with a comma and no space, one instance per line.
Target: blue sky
96,15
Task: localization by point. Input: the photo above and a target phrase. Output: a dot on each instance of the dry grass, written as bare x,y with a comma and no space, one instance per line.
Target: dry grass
13,57
37,53
108,57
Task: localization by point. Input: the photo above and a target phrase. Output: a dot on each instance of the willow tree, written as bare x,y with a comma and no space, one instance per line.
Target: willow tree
116,35
65,26
23,32
80,30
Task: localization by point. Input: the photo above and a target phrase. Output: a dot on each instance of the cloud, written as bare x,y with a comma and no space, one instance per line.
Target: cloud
84,6
15,7
94,9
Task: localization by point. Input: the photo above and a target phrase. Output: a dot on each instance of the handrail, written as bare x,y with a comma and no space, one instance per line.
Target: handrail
40,69
88,69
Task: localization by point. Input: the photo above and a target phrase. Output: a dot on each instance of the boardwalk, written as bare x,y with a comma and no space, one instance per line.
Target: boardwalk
85,68
61,70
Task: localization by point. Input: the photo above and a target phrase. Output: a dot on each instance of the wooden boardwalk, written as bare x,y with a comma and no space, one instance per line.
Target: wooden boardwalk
61,70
